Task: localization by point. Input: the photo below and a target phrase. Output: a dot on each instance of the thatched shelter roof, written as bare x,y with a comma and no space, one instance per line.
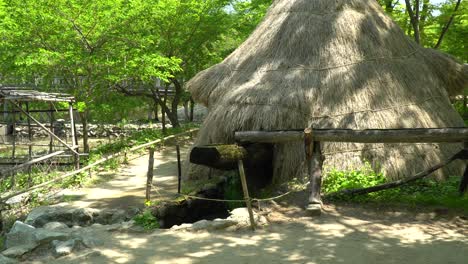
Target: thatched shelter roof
333,64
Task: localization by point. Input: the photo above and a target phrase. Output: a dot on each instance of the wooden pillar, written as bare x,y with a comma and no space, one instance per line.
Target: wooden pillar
246,193
73,136
149,175
464,180
314,161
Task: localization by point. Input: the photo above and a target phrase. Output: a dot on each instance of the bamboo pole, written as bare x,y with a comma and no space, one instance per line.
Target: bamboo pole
248,202
149,175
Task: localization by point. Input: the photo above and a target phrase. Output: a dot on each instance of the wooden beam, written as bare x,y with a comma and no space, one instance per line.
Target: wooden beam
418,135
71,148
30,163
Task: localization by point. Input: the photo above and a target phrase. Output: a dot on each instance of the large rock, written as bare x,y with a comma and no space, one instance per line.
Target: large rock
5,260
18,251
43,236
55,226
42,215
61,213
62,248
20,234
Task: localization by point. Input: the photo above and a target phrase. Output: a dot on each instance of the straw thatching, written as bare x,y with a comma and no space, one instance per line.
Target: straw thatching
332,64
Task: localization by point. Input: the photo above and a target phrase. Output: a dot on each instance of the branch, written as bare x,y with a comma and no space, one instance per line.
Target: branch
446,27
414,18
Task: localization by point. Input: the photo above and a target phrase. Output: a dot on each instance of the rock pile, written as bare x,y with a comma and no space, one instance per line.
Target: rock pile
59,230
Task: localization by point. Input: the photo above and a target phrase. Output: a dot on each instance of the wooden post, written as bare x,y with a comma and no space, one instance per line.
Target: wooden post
30,143
248,202
73,136
29,133
314,161
179,169
13,134
52,120
149,175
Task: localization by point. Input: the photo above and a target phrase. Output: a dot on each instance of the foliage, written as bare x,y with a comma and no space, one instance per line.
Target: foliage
352,179
424,192
233,191
147,220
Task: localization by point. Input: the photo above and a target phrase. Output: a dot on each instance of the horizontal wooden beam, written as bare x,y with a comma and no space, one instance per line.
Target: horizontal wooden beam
418,135
30,163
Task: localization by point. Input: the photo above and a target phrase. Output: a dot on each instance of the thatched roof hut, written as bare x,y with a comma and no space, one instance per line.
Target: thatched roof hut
333,64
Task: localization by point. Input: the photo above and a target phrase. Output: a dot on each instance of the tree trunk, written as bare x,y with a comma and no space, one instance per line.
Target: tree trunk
414,18
192,106
449,23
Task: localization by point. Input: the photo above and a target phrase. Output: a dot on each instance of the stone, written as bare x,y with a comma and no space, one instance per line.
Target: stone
87,238
84,216
20,234
181,227
241,216
45,236
5,260
55,226
201,225
63,248
314,209
44,214
18,251
223,223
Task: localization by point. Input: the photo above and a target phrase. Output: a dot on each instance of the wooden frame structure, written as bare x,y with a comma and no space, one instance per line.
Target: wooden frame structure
16,104
312,139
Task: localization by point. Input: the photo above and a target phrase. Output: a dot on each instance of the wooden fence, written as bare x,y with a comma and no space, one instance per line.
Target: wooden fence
312,139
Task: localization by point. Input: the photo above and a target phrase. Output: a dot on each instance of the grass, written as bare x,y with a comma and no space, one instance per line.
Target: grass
425,192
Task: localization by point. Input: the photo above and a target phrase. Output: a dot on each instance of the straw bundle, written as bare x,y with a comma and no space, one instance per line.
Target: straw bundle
332,64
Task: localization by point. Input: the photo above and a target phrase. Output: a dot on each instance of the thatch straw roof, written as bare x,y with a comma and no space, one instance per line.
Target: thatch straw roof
333,64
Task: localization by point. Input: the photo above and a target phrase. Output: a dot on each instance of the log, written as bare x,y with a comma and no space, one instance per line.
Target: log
418,135
225,157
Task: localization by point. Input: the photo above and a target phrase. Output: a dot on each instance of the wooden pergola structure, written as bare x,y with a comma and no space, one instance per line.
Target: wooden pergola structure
16,110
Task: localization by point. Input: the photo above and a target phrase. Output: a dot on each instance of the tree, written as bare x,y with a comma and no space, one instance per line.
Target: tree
88,44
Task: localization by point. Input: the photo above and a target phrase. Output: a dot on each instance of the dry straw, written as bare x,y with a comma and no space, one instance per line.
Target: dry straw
333,64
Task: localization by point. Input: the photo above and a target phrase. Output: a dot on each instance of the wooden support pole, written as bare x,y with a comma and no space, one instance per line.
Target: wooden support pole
72,149
149,175
314,166
179,169
248,202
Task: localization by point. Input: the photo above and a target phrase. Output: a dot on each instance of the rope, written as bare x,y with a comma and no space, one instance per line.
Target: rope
244,200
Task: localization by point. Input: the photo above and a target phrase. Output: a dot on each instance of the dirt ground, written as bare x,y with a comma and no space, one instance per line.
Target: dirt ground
343,234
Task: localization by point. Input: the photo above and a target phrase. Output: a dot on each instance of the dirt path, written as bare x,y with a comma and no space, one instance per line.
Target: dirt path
127,187
341,235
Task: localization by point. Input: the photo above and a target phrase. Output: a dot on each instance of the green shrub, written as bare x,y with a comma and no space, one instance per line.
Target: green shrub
147,220
351,179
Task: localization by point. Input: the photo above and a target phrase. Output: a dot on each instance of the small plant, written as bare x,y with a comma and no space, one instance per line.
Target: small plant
147,220
351,179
